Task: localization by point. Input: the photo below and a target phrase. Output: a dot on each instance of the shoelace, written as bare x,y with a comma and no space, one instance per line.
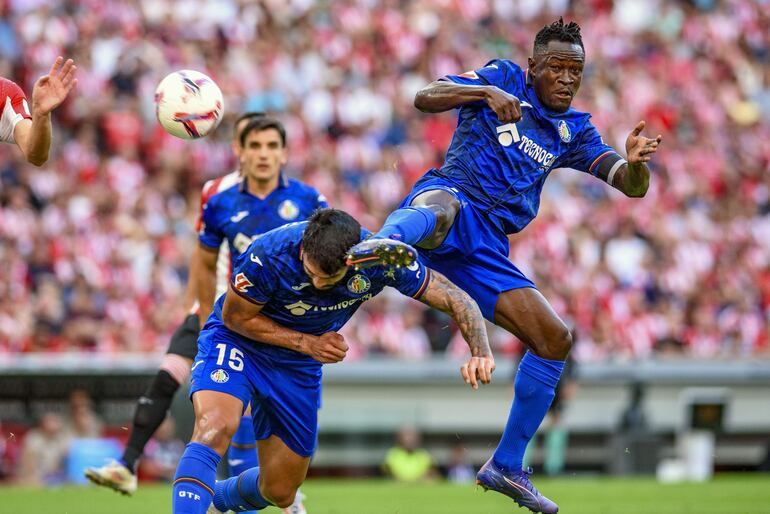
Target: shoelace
525,480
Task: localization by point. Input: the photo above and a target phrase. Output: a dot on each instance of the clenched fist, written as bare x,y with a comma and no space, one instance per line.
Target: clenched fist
328,348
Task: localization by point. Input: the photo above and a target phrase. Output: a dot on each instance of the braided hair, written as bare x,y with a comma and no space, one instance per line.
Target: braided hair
558,31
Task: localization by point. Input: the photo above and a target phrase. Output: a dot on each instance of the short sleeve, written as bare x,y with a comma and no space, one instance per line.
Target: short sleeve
19,102
14,109
252,280
496,73
209,231
590,154
411,280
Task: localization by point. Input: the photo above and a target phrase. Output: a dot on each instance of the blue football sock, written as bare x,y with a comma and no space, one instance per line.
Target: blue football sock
241,493
194,480
242,454
408,224
534,390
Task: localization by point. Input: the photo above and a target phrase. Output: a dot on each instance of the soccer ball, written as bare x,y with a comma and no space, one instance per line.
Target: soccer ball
188,104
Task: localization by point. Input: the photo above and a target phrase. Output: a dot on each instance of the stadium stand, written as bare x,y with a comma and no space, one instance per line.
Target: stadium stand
94,246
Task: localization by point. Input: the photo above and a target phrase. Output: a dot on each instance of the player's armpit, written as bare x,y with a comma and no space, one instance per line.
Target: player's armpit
445,296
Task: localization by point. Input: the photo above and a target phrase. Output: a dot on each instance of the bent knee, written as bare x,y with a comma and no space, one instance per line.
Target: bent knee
558,345
215,430
282,495
445,211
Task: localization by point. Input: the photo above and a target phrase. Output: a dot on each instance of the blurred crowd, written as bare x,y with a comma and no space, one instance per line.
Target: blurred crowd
94,246
68,436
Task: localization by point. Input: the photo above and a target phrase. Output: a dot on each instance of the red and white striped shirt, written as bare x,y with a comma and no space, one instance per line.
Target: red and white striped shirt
15,109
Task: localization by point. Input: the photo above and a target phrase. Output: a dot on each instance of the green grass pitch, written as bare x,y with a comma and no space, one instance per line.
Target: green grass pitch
727,494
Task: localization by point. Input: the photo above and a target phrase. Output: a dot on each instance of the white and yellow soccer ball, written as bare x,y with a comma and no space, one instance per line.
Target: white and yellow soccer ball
188,104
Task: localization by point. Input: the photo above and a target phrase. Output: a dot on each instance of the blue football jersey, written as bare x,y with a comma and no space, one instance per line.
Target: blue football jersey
502,166
270,273
237,216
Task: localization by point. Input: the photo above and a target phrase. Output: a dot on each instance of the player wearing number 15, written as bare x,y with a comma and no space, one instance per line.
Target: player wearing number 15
515,127
265,343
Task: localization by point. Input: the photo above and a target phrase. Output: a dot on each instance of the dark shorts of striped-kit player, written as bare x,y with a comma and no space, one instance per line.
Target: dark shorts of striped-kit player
184,341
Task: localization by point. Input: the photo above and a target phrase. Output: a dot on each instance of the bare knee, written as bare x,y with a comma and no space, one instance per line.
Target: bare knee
282,495
445,207
215,429
557,346
445,215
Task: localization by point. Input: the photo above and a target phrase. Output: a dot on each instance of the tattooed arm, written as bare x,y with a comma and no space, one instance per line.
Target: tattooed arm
443,295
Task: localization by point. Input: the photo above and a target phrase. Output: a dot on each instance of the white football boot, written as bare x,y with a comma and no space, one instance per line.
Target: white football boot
114,475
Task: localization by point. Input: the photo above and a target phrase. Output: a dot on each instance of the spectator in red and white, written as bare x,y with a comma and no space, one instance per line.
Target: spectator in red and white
686,271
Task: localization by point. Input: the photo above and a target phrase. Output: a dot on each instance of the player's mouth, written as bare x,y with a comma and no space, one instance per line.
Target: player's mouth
563,95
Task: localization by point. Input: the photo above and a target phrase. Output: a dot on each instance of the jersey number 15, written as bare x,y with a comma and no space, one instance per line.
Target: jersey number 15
236,357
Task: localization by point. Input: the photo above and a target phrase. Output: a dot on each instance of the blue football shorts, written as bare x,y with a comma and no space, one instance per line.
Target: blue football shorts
283,386
474,254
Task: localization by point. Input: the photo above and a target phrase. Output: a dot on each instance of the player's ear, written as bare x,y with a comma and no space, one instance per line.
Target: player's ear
531,63
284,156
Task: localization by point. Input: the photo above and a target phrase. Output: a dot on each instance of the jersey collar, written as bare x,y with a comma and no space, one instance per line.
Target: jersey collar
283,183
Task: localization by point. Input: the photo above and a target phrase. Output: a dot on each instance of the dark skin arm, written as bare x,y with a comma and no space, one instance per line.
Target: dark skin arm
243,317
442,95
633,179
443,295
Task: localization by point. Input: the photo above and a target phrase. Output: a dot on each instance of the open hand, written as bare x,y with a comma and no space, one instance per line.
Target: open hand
478,369
50,90
639,148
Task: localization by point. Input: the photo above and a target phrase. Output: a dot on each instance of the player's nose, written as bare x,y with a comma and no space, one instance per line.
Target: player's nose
565,78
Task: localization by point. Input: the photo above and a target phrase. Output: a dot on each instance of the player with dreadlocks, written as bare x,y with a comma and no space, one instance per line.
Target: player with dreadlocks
515,126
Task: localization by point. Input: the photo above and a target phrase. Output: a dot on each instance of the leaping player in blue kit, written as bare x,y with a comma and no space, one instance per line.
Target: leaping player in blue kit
515,126
265,344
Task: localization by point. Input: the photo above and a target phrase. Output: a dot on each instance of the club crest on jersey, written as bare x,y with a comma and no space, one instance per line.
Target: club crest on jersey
564,132
288,210
219,376
359,284
241,283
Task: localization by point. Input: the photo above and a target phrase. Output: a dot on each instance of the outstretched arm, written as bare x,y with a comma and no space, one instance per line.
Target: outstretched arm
243,316
34,137
443,295
633,178
442,95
